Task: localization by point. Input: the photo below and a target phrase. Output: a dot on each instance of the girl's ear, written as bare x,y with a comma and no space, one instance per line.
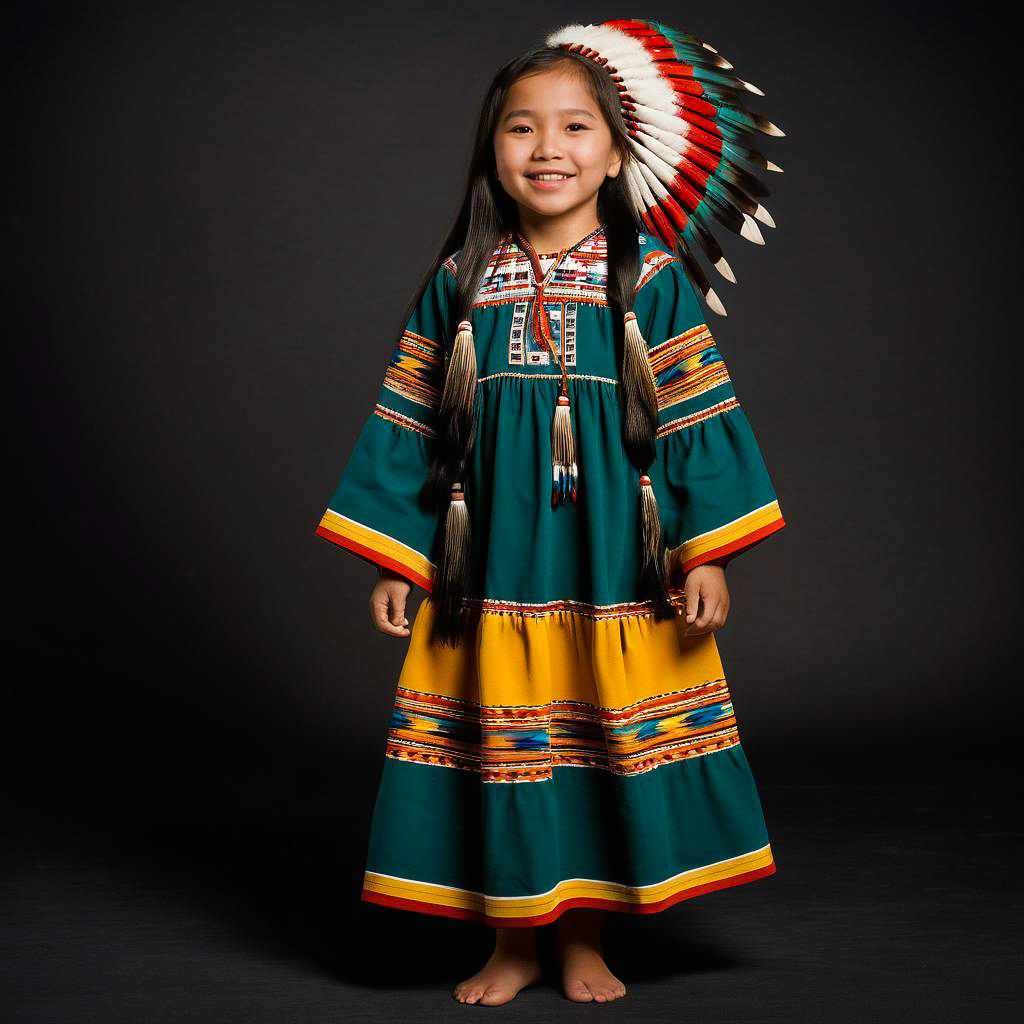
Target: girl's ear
615,165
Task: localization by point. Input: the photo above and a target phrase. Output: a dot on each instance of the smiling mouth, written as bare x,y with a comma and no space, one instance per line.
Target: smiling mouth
549,176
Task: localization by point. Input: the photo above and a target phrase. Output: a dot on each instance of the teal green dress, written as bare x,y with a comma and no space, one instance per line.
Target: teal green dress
573,751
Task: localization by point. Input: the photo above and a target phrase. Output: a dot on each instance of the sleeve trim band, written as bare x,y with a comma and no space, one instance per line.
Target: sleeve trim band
376,547
730,538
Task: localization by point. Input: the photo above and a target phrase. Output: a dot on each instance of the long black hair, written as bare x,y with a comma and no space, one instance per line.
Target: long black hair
487,214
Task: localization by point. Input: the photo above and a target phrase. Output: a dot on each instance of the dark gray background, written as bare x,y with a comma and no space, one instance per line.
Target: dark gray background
220,212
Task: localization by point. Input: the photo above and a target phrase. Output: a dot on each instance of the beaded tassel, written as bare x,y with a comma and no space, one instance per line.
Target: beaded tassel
563,453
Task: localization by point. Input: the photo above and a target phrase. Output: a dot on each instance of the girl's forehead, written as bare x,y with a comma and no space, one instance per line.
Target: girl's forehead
549,90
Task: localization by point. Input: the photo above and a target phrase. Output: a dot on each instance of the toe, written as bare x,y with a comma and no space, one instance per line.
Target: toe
579,992
494,996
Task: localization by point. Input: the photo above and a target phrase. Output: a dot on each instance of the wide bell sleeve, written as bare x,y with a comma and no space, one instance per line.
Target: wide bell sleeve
715,497
376,512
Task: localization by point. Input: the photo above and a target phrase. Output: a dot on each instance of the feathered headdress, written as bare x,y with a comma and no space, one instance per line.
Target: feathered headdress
690,134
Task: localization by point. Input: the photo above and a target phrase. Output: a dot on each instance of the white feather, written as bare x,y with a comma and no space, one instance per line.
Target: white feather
750,231
650,163
661,119
722,266
635,194
627,55
714,302
667,153
641,187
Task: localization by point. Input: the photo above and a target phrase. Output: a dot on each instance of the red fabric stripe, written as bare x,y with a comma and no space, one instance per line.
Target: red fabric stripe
375,557
400,903
746,541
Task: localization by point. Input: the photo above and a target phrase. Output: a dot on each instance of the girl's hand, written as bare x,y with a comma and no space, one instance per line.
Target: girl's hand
387,604
705,586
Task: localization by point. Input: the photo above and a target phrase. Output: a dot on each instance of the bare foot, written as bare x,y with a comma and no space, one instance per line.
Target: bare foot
585,975
513,965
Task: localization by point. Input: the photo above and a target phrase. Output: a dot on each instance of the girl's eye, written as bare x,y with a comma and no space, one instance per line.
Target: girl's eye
515,130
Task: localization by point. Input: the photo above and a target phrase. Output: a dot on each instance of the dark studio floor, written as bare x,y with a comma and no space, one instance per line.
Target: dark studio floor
889,904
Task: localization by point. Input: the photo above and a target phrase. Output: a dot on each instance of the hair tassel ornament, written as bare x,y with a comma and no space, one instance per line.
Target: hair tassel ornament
455,562
636,365
460,384
653,571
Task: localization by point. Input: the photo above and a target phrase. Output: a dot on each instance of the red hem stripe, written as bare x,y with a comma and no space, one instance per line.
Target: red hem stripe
374,556
599,903
748,540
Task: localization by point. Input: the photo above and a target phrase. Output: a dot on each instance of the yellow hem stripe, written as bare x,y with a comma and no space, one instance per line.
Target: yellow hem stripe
533,906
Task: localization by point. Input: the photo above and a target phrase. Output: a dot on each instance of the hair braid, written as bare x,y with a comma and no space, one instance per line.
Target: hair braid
639,400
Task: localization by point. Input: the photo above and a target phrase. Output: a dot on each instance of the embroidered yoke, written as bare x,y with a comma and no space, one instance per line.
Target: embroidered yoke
572,751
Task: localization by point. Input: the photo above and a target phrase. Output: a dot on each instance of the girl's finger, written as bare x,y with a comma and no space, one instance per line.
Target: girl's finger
379,613
693,611
707,613
386,627
692,595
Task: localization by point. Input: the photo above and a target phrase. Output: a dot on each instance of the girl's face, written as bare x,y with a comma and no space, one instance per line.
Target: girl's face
550,124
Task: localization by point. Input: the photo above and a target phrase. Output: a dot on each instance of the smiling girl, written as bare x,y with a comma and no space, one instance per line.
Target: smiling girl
557,457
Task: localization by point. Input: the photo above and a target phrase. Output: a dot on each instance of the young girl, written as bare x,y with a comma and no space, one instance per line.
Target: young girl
558,458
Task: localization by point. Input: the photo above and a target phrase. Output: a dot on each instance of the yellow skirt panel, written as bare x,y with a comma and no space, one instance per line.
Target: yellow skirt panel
511,659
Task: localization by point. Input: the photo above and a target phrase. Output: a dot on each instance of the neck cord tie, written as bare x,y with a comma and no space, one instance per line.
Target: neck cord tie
564,471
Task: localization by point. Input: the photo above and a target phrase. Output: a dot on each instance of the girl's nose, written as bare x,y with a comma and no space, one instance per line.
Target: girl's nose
547,145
